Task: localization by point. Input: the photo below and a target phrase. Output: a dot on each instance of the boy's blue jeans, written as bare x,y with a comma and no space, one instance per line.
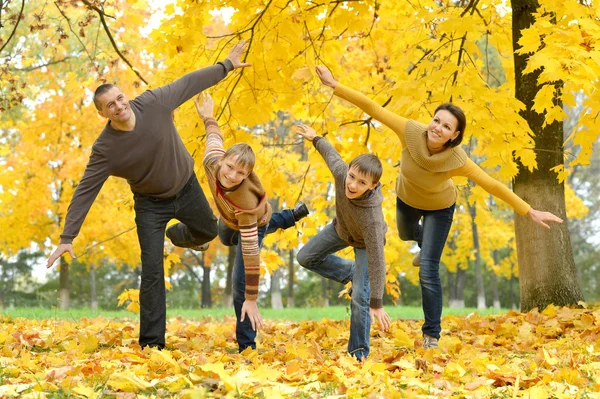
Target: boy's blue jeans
318,256
431,237
244,333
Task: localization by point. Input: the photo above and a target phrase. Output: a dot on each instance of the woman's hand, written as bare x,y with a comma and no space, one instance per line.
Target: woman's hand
326,77
306,131
540,217
208,106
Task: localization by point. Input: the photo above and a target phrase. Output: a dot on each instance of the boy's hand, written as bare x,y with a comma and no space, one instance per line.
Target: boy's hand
250,309
235,54
326,77
62,248
306,131
382,318
540,217
208,106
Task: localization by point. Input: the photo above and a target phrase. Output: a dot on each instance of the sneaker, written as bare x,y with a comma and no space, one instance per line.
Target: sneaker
416,262
300,211
201,247
429,342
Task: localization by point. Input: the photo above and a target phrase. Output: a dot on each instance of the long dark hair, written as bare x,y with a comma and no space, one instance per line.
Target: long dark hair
459,114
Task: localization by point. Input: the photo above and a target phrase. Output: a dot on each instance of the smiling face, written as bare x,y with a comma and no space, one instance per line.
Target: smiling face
357,183
443,127
231,172
114,105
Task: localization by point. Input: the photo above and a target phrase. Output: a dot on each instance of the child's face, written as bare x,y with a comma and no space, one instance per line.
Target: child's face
232,173
357,183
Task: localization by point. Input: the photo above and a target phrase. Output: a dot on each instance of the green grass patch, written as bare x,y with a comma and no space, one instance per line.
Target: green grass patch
295,314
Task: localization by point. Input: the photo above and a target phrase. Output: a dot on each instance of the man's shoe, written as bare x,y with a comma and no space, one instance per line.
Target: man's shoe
201,247
416,262
300,211
429,342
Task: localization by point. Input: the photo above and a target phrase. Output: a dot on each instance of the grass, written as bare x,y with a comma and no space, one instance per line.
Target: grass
295,314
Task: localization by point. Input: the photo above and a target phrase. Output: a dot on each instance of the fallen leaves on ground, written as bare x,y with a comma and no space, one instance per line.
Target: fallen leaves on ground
537,355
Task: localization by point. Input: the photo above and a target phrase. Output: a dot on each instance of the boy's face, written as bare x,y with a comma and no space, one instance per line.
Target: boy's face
231,173
357,183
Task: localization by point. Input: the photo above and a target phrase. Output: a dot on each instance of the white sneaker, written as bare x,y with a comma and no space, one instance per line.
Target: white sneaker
202,247
429,342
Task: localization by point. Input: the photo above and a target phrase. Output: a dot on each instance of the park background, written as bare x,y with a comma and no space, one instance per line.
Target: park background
525,73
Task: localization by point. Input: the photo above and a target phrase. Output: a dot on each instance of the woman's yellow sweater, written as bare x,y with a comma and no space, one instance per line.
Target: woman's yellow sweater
425,179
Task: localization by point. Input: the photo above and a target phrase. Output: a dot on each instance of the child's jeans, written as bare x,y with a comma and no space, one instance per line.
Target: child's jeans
244,333
318,256
431,237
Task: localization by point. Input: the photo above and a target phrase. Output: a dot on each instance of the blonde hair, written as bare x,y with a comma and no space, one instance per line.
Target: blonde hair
245,155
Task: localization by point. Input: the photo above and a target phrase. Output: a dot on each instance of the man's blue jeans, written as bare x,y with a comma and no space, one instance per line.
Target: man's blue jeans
244,333
152,214
431,237
318,256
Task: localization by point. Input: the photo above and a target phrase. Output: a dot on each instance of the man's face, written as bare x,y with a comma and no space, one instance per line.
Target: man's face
114,106
357,183
232,173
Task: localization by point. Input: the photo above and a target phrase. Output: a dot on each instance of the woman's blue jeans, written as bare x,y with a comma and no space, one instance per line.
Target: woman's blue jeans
431,237
318,256
244,333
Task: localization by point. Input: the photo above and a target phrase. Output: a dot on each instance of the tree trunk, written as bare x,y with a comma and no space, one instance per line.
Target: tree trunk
227,295
93,293
276,300
511,286
324,293
458,289
290,298
63,292
547,270
206,297
495,293
478,268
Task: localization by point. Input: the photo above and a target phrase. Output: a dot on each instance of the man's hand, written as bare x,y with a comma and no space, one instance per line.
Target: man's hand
540,217
208,106
306,131
236,53
62,248
326,77
250,309
382,318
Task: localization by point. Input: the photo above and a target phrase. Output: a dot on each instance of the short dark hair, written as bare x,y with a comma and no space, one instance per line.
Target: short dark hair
369,165
100,91
459,114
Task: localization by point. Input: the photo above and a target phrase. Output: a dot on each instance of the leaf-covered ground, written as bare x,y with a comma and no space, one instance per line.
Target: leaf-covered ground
549,354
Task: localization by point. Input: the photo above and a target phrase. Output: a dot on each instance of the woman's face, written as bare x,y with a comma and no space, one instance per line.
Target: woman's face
441,129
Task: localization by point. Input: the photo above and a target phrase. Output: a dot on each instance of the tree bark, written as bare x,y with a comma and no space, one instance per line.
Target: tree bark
227,295
63,292
276,300
324,293
290,297
547,271
478,268
93,293
458,289
206,296
495,293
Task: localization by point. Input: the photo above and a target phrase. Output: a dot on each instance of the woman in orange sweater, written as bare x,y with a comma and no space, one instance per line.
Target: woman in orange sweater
426,194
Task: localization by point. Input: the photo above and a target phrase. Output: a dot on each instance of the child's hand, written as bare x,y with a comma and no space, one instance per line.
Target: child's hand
250,309
208,106
382,318
326,77
306,131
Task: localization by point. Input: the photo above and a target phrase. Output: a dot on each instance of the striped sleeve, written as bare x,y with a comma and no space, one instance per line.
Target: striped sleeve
214,143
250,253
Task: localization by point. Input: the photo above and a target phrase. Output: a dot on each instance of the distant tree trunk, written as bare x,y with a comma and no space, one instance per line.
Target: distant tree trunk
276,300
227,295
290,298
478,267
206,296
458,289
324,292
511,288
547,271
63,292
93,293
495,293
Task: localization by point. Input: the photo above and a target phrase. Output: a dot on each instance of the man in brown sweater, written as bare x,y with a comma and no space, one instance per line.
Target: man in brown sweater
141,144
358,223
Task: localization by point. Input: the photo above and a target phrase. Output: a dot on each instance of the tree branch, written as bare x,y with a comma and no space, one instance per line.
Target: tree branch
72,31
112,40
33,68
12,34
88,249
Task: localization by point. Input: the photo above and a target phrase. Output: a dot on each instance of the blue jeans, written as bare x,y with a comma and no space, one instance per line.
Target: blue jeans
244,333
431,237
152,214
318,256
